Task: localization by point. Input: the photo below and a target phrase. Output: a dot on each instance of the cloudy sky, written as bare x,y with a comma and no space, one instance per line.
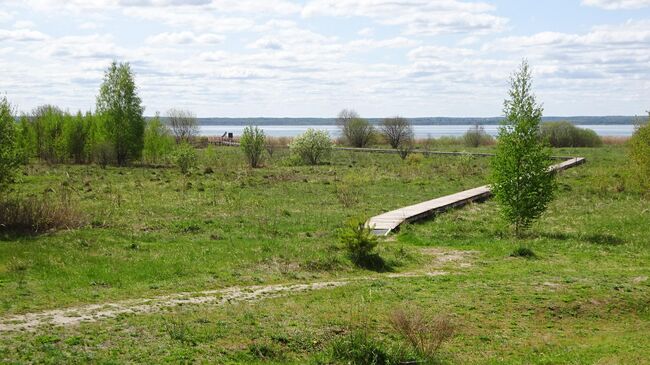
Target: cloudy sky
238,58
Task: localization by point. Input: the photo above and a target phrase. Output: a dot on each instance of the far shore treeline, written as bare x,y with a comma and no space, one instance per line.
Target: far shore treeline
262,121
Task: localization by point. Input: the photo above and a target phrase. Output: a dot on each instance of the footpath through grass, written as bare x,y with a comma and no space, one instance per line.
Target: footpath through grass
584,298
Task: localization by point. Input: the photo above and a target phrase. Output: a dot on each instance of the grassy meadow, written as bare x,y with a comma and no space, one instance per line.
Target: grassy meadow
584,297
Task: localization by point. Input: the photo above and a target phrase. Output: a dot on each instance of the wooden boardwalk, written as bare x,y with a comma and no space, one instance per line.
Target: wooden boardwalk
384,223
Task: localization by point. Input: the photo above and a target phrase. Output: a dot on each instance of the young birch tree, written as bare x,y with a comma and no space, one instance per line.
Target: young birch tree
521,181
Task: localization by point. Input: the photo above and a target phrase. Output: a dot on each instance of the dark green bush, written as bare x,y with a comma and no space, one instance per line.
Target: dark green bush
565,134
524,252
358,239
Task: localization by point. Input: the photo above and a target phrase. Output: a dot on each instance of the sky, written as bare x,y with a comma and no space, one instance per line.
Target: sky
312,58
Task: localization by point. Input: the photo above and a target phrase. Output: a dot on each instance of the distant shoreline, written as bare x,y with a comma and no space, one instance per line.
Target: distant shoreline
262,121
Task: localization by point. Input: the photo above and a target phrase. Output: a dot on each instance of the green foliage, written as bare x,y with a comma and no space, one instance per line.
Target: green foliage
358,348
414,159
104,153
9,152
565,134
639,150
121,109
312,147
359,240
76,132
25,139
185,157
47,124
158,142
356,131
476,137
521,182
252,143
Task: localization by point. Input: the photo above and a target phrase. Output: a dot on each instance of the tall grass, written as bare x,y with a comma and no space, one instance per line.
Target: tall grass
34,215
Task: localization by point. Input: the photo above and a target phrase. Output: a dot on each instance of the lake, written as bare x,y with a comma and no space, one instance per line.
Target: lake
421,131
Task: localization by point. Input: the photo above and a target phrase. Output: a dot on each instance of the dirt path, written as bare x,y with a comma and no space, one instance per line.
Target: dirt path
96,312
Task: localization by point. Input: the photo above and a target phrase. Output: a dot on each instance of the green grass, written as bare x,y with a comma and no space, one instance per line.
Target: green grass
585,298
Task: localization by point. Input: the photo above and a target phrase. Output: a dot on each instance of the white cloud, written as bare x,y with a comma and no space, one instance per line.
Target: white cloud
170,38
5,16
366,32
88,25
416,16
21,35
617,4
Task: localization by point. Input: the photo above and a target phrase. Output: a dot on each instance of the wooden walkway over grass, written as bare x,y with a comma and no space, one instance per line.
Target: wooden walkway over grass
389,221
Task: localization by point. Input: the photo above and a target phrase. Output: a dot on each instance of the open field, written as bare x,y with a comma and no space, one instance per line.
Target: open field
152,233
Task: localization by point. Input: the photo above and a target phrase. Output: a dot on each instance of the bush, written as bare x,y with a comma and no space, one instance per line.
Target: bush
252,143
76,132
356,131
312,146
360,243
185,157
405,148
158,142
476,137
37,215
9,153
423,332
104,154
640,153
565,134
397,131
415,159
524,252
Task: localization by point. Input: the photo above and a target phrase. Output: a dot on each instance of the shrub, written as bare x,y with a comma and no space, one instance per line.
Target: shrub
348,189
47,124
158,142
356,131
415,159
360,243
476,137
565,134
397,131
183,124
405,148
521,182
252,143
76,133
312,147
37,215
185,157
104,154
423,332
9,153
640,153
524,252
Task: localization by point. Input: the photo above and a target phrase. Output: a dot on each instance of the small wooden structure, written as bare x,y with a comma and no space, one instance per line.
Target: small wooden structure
384,223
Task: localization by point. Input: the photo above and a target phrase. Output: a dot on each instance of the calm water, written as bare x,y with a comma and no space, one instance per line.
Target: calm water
421,131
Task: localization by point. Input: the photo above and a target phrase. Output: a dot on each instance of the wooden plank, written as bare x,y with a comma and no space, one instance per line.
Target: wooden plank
387,222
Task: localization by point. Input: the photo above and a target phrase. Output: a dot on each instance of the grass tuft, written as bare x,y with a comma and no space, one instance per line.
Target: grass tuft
524,252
